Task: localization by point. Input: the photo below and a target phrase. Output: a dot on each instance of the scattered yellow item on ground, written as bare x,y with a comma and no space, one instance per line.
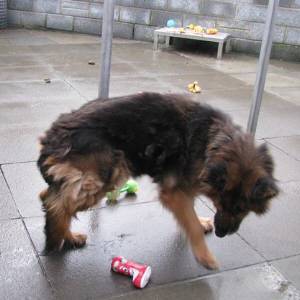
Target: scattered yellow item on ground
194,87
191,26
198,29
181,30
212,31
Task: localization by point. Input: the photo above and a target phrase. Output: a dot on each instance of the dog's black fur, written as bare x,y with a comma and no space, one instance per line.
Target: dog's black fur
159,134
183,145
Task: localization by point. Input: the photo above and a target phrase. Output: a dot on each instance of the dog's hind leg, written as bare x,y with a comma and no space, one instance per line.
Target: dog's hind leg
57,219
182,206
76,191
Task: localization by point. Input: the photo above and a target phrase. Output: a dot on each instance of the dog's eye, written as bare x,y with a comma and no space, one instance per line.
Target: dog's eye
264,188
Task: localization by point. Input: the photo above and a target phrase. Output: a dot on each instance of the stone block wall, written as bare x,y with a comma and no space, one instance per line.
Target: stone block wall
3,14
136,19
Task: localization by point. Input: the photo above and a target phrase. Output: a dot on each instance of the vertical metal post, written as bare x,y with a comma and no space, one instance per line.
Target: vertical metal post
263,63
106,47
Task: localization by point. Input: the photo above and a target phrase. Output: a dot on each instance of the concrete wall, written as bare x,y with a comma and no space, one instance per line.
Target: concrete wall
137,19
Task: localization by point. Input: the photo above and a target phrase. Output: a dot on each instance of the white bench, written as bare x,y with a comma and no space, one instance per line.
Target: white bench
221,38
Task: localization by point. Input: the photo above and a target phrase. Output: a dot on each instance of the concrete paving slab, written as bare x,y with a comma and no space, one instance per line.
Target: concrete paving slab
30,58
8,208
207,82
121,86
27,73
18,61
20,114
75,71
273,80
28,41
171,67
260,282
285,66
232,99
49,49
67,48
61,37
286,167
15,32
289,267
238,98
89,88
282,119
19,144
75,58
8,50
290,94
26,183
231,62
143,53
289,145
130,231
38,92
21,275
276,235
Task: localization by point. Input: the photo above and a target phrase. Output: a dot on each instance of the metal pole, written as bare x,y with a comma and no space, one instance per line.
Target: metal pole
106,46
263,63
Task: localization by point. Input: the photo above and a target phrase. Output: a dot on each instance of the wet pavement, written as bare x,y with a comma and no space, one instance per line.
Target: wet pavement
261,261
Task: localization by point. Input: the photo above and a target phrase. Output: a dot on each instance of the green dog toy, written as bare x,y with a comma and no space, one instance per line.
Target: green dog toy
130,187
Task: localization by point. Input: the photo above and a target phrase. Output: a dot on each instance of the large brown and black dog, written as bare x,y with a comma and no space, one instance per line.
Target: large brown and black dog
186,147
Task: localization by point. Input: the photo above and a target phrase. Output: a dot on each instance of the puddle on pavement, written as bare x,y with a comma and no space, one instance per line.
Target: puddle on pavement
274,280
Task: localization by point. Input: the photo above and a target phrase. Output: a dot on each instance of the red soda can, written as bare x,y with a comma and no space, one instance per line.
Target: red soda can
140,273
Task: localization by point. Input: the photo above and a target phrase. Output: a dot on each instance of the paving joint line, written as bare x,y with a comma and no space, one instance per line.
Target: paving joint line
283,151
76,90
18,162
27,233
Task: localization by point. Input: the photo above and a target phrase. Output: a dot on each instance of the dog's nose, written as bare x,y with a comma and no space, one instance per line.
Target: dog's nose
220,233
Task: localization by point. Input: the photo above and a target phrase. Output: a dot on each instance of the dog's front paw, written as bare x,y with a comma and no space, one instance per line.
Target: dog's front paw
75,240
207,259
210,263
207,224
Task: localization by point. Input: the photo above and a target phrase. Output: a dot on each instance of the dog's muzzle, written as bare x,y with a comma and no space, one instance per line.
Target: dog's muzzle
225,224
220,232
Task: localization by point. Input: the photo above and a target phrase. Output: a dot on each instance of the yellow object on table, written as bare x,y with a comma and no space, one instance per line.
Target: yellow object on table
198,29
181,30
212,31
194,87
191,26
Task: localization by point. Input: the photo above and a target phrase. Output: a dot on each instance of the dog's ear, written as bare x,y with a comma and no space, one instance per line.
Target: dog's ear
216,175
265,188
266,158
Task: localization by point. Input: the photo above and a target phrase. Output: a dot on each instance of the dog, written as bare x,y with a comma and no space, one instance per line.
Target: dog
188,149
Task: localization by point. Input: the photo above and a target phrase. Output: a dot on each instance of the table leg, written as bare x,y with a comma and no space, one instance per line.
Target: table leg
155,45
228,46
220,50
167,41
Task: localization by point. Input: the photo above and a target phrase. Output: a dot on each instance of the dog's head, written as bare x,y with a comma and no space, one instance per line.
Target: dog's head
238,177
